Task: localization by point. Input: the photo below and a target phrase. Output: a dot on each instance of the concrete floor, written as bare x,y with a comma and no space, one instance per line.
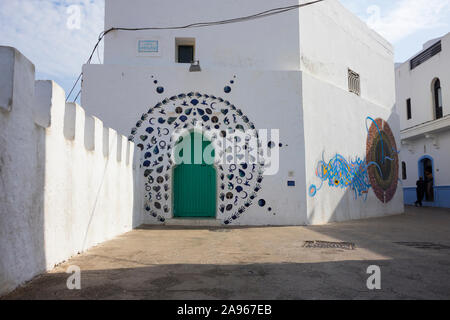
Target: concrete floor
263,263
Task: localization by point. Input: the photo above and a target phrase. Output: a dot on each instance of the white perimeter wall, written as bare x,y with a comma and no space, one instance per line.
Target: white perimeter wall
272,100
67,182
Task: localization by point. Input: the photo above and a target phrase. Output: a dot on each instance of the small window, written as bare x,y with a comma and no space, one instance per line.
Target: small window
408,109
437,99
185,54
404,177
184,50
354,82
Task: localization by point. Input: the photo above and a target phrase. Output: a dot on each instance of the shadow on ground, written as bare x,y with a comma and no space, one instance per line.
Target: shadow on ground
412,250
331,280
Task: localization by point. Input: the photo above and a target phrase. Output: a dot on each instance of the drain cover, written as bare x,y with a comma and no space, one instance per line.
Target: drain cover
328,245
219,230
424,245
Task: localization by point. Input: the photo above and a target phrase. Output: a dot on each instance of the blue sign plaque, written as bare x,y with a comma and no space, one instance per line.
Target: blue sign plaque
148,46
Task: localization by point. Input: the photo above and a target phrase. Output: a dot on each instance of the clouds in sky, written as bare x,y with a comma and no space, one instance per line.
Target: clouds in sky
406,17
38,28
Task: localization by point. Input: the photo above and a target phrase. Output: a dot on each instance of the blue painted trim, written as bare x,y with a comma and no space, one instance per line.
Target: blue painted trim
441,196
420,166
145,46
409,195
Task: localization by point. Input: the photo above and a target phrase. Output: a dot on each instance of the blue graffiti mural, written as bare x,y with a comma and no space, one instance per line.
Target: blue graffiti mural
341,173
377,170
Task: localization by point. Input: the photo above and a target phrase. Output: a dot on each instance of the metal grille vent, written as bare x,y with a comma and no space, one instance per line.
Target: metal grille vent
427,54
329,245
354,84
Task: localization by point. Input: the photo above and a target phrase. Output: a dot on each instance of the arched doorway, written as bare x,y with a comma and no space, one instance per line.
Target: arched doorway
426,171
194,178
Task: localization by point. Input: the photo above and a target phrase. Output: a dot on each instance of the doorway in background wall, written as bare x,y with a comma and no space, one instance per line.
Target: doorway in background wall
195,187
426,171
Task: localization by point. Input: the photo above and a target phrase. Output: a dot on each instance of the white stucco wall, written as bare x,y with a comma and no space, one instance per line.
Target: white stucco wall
422,135
417,85
89,181
271,100
322,41
266,44
332,40
67,182
335,123
424,147
21,175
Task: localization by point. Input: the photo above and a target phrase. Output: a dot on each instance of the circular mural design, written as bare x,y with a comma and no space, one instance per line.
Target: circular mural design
239,176
381,149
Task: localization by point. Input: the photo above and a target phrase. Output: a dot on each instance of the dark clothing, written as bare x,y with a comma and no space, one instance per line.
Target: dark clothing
420,191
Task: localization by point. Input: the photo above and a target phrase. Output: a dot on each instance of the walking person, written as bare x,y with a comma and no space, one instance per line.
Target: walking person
420,191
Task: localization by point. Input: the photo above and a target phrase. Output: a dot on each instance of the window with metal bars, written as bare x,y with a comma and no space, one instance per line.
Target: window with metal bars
427,54
354,84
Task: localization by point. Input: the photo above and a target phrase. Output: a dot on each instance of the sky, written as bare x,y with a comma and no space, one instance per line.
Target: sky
58,35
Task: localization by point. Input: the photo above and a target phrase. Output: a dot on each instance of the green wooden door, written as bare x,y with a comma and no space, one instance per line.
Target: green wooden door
195,184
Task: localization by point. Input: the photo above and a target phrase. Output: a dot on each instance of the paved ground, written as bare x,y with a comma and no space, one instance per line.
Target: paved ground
263,263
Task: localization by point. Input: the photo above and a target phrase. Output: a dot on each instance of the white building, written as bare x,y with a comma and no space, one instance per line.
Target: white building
318,74
423,98
71,179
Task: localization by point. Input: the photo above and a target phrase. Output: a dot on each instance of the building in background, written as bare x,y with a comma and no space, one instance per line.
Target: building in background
423,101
319,75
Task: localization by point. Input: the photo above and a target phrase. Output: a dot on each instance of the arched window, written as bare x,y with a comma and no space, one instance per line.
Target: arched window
404,177
437,97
